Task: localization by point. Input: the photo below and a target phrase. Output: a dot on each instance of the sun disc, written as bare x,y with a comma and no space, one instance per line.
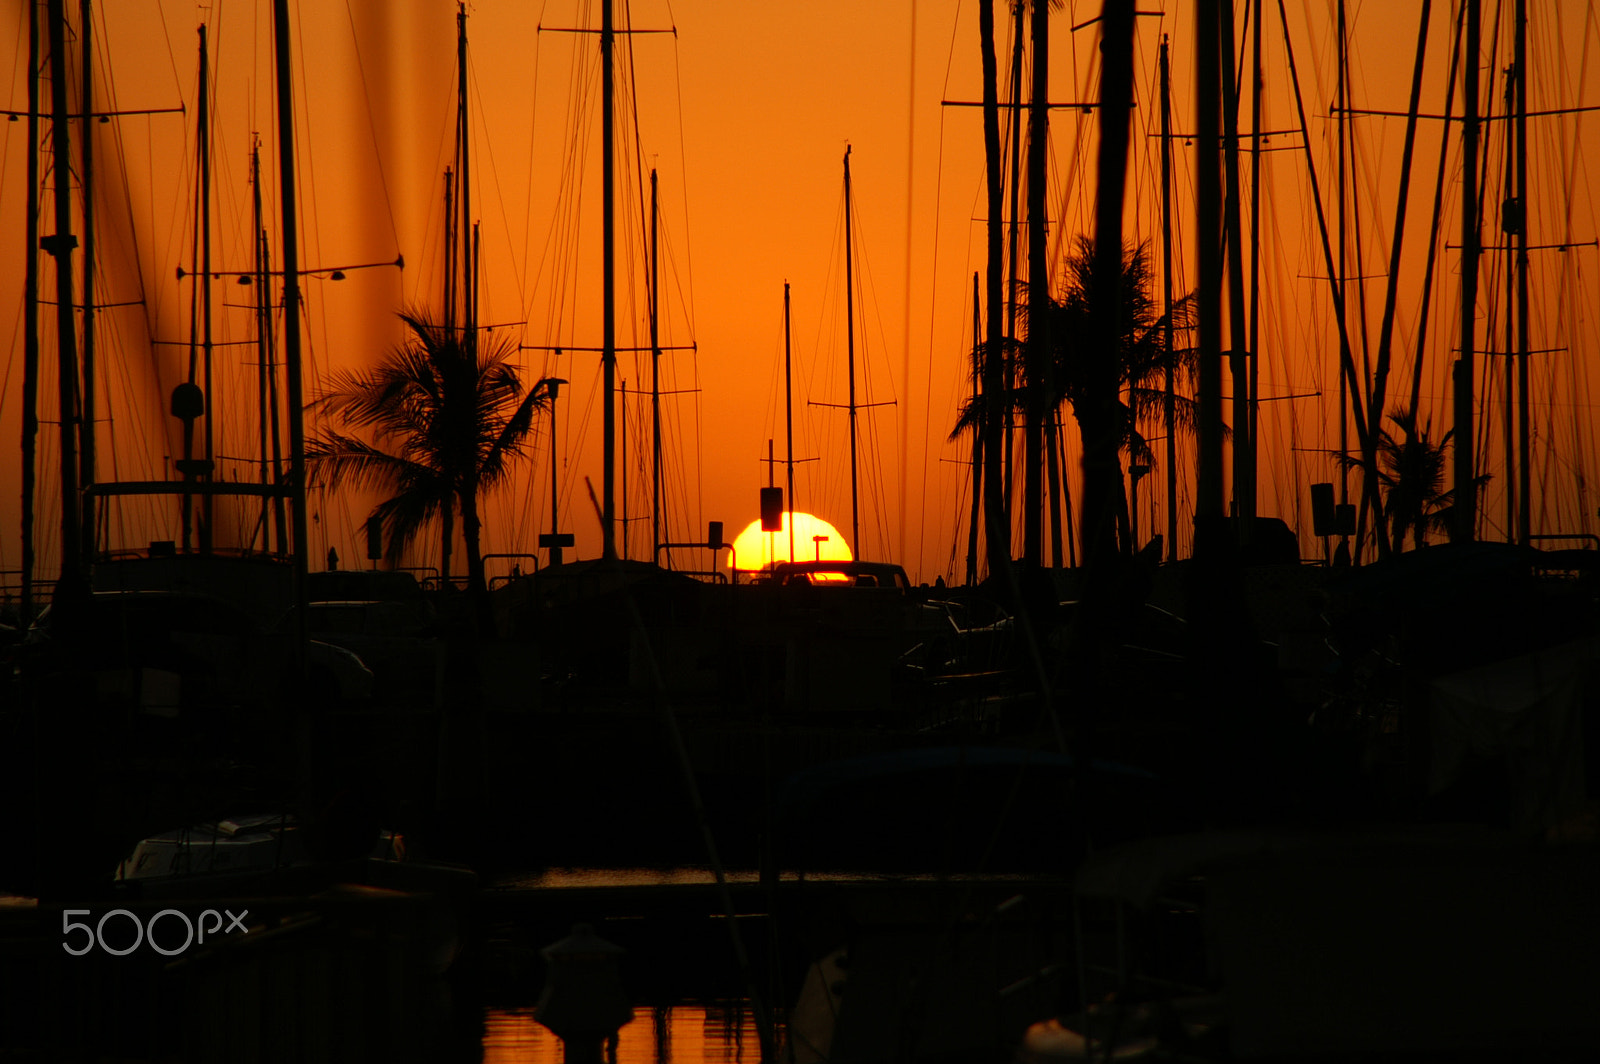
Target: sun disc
754,549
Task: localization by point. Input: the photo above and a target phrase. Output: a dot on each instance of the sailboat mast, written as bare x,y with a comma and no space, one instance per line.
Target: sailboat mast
1038,349
622,445
291,314
258,251
1208,247
270,353
469,292
655,375
1168,399
850,346
997,524
977,432
1341,83
1013,219
60,244
204,147
608,355
788,415
1524,518
1465,510
86,184
1380,379
1251,442
1508,225
1244,489
30,330
450,257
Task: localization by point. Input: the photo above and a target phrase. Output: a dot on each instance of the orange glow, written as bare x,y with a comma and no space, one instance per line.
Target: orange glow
745,110
755,549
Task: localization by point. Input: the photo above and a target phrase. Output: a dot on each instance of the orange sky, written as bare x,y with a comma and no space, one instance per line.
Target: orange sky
745,110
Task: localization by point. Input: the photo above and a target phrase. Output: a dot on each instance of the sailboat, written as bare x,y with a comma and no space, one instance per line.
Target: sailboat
852,406
153,679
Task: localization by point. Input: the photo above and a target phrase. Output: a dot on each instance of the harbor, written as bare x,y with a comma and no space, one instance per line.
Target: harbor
935,533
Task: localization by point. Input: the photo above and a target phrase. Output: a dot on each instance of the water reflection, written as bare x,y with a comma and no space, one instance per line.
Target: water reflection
676,1034
683,876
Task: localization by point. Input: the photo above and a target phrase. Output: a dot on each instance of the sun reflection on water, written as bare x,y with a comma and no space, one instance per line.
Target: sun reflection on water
676,1034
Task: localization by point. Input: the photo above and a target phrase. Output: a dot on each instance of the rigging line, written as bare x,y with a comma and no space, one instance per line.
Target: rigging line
677,283
683,156
481,111
638,149
372,125
17,63
866,287
533,137
172,60
310,222
564,233
905,339
1571,148
933,301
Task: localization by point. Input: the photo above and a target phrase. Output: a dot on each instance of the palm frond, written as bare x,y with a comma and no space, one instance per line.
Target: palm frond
438,416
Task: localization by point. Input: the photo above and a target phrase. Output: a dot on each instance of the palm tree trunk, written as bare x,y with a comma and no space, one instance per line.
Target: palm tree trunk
1102,494
477,585
447,528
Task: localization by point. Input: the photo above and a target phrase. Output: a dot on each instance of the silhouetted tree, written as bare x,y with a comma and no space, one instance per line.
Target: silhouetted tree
446,414
1412,472
1142,355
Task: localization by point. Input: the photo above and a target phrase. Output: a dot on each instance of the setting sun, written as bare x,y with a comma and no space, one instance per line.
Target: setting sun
755,549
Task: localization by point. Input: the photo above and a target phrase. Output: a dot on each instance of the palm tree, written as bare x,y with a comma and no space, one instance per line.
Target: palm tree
1142,355
446,415
1412,471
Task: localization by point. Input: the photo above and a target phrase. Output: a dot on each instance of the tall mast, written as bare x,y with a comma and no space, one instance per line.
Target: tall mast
1208,247
451,259
622,445
1013,221
469,292
977,432
1103,498
1038,358
1509,225
291,312
1341,83
1251,442
1014,230
1465,510
60,244
1169,399
608,355
30,329
86,181
204,148
655,377
1244,488
555,479
263,326
270,353
997,525
788,415
850,346
196,364
1524,503
1380,380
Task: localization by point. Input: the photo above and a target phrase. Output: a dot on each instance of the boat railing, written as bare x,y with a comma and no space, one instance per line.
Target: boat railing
1587,537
